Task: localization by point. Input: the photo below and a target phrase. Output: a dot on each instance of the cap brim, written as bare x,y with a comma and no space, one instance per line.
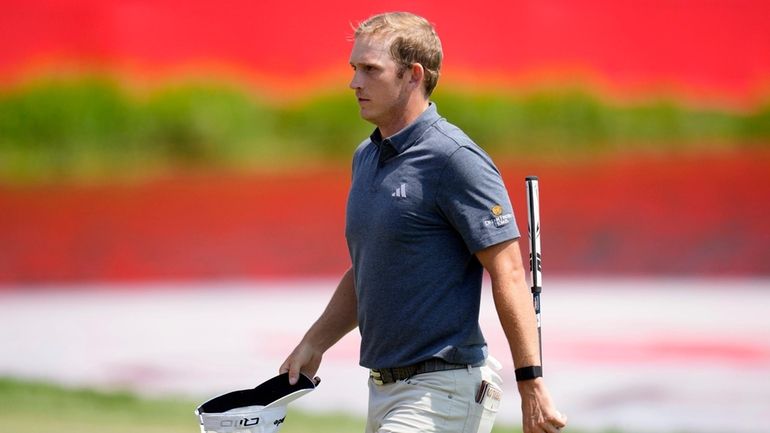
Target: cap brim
272,393
291,392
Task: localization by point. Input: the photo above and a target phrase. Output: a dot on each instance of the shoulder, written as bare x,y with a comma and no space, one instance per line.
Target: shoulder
461,153
446,137
455,144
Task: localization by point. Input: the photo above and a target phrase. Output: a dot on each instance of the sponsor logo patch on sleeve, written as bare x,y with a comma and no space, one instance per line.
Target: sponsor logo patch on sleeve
499,219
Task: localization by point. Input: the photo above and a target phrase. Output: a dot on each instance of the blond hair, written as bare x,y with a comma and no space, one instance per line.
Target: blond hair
413,40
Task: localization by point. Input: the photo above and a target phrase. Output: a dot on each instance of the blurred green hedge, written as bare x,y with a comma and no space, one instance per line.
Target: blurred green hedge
94,128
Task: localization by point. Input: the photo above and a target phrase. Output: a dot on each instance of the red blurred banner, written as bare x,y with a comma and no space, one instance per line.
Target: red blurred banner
709,50
687,216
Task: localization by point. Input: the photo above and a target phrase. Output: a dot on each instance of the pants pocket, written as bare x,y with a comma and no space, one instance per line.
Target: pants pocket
482,414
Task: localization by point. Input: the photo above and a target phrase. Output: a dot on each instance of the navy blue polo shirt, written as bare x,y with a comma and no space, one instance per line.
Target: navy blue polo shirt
421,203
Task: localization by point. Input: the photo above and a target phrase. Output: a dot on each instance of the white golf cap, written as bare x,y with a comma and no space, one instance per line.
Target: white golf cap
258,410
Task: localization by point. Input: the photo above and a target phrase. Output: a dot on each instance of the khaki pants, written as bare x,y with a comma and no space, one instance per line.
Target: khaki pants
442,401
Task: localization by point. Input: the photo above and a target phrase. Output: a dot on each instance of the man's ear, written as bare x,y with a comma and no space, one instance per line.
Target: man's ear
418,74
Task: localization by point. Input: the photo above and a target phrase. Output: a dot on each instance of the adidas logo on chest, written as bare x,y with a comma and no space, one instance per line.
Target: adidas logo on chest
400,191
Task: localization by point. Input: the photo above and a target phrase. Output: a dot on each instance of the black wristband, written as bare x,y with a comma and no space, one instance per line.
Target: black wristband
528,373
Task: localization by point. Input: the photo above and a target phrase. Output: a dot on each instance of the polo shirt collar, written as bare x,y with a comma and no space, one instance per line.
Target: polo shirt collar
405,138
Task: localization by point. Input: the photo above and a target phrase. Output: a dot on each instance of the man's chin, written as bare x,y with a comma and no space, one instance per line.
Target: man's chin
367,115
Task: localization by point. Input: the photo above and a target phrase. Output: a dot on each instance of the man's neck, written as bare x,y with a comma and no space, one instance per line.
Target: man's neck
409,115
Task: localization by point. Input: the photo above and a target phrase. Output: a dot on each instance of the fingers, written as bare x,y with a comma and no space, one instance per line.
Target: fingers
294,373
553,423
548,428
290,366
559,420
549,421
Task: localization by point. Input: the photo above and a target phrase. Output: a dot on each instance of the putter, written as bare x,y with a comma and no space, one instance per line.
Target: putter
535,260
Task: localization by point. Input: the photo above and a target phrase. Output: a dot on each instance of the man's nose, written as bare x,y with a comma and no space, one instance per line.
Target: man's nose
355,82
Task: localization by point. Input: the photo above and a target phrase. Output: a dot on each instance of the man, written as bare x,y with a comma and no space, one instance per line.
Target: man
427,212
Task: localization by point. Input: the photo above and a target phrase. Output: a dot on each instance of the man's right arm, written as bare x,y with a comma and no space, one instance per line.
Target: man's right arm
339,318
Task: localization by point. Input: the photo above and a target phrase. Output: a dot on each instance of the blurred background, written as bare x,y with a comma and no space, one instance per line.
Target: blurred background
173,177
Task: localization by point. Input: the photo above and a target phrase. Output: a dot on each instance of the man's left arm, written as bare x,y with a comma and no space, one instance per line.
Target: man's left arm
513,302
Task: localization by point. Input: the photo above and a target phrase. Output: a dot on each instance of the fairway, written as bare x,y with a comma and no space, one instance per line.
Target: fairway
34,407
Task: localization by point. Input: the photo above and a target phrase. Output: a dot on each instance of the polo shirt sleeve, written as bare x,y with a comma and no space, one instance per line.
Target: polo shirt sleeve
473,198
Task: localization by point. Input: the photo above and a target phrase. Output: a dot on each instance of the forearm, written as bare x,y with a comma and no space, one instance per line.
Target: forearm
339,317
513,302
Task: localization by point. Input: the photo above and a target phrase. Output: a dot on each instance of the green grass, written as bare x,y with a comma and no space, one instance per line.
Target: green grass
94,128
41,408
34,407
